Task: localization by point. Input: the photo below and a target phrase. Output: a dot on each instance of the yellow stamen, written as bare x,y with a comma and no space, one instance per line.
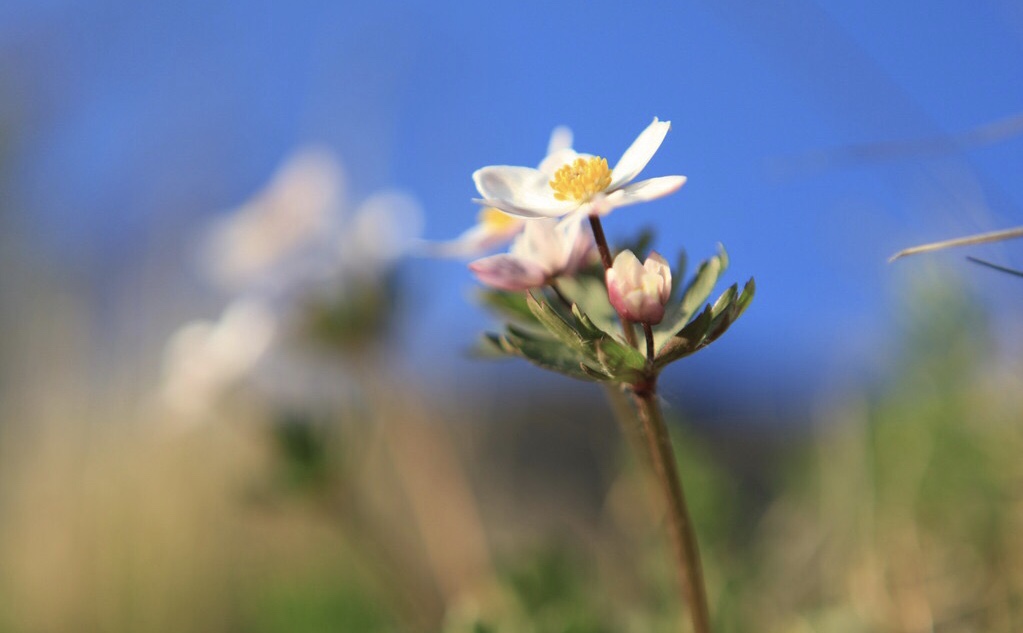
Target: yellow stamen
581,179
496,220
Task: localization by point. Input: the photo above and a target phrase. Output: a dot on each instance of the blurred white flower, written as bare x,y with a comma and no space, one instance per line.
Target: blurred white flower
203,359
639,291
293,249
568,182
298,234
379,232
264,240
545,250
495,227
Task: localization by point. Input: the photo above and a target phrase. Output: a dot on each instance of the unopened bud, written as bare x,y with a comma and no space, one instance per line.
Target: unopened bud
638,291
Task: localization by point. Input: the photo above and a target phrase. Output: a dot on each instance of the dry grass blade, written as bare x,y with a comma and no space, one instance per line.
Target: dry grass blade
981,238
992,265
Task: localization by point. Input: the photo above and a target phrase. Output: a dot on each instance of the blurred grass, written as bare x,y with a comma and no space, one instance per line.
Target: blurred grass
900,510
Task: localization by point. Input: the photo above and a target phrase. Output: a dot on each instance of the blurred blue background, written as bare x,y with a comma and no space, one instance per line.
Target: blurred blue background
818,138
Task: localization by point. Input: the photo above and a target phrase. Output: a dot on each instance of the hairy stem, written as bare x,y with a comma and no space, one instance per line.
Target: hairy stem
680,526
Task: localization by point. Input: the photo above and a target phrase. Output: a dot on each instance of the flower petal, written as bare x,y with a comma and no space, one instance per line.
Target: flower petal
509,272
639,154
520,191
642,191
561,138
472,242
556,159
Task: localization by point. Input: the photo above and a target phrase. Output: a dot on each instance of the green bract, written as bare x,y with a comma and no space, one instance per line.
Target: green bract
585,341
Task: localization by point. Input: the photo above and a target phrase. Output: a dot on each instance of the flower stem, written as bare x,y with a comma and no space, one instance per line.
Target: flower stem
682,532
649,332
607,261
598,236
557,290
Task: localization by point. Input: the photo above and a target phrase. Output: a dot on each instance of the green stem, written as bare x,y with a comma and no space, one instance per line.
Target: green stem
607,261
681,529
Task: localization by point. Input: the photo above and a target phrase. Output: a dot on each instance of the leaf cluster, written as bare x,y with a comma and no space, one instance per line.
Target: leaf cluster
581,336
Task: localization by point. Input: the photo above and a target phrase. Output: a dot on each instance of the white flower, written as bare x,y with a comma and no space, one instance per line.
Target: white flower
273,233
546,249
203,359
298,236
571,183
495,227
639,291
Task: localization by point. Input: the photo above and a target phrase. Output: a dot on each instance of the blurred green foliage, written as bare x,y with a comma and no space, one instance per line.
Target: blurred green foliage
900,509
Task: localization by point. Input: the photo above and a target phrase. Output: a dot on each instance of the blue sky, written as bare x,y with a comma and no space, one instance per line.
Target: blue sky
130,122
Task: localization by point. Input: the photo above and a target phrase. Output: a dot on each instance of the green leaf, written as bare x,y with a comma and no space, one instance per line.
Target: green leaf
725,300
620,361
590,294
595,374
687,341
731,313
640,244
678,275
695,294
707,276
510,306
746,298
558,326
488,346
552,355
708,326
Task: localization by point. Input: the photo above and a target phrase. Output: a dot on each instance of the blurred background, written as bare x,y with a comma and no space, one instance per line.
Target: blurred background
233,398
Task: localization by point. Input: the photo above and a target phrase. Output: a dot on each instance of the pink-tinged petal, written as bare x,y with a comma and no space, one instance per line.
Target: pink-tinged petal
639,154
521,191
508,272
655,264
637,291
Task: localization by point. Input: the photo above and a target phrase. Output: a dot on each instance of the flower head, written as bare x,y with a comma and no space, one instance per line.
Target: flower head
639,291
546,249
493,226
568,182
300,234
273,233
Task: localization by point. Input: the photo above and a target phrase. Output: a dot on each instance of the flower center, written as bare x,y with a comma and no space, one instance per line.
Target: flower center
581,179
496,220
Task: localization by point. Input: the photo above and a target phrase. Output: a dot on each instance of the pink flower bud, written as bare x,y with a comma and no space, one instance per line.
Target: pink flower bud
639,291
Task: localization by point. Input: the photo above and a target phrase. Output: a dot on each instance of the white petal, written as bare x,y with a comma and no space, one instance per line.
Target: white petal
383,229
521,191
561,138
508,272
643,191
472,242
557,159
579,243
540,243
656,265
503,181
639,154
